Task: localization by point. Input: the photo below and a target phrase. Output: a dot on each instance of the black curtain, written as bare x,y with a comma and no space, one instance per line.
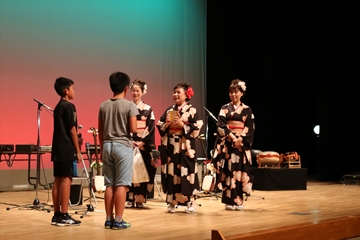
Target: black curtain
292,62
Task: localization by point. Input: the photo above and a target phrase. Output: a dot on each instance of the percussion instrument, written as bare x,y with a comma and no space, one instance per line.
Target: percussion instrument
268,159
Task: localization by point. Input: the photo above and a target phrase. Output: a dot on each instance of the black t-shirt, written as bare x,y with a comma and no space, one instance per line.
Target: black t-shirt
64,119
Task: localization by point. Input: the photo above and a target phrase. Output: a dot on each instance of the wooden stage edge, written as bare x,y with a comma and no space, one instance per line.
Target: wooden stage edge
339,228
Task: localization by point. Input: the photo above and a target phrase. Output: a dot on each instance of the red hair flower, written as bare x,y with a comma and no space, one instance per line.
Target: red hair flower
189,92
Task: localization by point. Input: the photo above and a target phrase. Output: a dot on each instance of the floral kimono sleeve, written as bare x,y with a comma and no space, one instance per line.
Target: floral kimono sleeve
249,128
149,139
192,122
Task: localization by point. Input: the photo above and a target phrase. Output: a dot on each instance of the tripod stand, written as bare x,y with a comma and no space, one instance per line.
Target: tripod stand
209,179
36,203
89,177
155,154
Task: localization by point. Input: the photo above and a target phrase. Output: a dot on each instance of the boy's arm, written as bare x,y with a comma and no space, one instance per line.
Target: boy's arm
132,124
75,140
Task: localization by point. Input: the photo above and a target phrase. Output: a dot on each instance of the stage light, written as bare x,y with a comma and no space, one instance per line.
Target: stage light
317,130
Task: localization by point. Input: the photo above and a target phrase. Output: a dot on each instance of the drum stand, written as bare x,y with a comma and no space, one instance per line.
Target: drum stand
249,195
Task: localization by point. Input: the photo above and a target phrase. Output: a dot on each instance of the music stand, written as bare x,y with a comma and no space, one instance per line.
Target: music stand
36,203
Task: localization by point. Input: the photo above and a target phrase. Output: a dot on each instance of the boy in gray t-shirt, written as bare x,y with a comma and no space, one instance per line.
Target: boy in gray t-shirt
117,120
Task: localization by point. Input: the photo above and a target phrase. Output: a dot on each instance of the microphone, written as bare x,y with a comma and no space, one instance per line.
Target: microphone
211,114
42,104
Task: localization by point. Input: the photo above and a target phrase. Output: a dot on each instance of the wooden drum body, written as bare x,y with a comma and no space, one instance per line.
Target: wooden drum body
268,159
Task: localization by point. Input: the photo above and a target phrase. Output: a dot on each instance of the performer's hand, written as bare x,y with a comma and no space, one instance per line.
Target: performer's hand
167,121
168,118
237,143
79,157
178,122
140,145
153,163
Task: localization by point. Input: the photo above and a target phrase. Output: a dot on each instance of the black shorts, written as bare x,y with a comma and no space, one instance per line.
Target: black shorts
63,169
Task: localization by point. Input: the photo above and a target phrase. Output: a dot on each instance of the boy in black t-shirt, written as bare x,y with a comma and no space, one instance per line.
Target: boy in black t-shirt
65,149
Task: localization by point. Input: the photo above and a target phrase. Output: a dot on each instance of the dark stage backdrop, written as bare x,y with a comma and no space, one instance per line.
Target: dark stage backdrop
292,57
162,42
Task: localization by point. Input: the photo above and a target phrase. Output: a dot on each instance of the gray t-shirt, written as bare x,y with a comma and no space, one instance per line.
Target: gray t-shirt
115,114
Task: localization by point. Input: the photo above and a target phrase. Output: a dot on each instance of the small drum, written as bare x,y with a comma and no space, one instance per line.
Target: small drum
290,156
268,159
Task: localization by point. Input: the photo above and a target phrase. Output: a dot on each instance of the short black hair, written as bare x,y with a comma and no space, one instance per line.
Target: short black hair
185,86
118,82
61,84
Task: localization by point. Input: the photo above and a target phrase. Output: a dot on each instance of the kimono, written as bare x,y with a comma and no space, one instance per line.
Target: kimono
146,133
233,165
179,177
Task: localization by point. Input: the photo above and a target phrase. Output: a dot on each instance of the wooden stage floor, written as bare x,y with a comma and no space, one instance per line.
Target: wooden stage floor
322,201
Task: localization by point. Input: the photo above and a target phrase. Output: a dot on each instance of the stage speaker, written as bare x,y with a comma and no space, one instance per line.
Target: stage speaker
351,178
76,194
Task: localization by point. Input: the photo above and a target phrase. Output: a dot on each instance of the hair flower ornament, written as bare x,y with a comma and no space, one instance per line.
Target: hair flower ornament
242,85
145,88
189,92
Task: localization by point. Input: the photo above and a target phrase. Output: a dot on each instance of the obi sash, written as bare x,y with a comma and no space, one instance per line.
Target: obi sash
235,126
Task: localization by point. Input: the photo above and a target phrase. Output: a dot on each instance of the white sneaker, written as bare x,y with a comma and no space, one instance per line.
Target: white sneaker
129,205
229,207
190,208
171,208
239,207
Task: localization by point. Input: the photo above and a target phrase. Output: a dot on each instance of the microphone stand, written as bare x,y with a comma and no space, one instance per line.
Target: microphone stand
36,203
211,115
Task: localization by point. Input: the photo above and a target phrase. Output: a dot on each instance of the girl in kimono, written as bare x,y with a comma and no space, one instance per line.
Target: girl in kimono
232,158
144,138
179,126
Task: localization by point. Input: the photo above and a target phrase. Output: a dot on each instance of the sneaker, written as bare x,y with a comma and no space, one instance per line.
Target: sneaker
120,225
171,208
67,220
190,208
54,220
141,205
229,207
129,204
239,207
109,224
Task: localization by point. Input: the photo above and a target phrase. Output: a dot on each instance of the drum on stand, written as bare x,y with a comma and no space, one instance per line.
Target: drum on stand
268,159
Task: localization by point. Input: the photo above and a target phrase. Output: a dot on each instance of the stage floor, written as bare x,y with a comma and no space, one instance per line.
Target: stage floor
321,201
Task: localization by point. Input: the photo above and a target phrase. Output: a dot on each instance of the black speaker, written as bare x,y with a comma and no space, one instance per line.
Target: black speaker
76,194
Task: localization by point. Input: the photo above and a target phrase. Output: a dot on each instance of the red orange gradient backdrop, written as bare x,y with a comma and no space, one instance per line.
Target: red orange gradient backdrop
162,42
